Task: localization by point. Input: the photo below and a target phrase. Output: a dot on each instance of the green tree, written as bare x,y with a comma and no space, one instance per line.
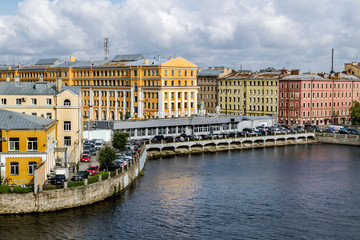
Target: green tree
355,113
106,156
119,140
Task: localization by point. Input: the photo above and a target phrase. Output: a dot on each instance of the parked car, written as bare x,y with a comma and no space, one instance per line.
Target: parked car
81,175
99,144
92,151
85,157
157,138
169,139
343,131
354,131
93,170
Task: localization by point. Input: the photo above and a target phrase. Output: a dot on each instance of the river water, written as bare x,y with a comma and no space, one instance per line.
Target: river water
292,192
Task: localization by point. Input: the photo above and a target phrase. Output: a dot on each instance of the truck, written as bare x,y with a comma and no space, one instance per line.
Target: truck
336,128
61,175
99,144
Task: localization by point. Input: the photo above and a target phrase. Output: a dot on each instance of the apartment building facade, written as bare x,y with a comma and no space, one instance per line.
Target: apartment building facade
207,81
129,86
49,101
317,98
249,93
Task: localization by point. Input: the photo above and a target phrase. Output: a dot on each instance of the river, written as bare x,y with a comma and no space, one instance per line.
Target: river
292,192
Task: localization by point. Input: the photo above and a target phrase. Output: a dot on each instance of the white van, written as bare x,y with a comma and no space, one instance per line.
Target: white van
99,144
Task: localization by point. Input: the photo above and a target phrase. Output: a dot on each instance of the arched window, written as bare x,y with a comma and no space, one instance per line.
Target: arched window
67,102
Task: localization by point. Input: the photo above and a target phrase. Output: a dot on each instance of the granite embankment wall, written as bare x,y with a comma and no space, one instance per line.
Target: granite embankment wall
18,203
342,139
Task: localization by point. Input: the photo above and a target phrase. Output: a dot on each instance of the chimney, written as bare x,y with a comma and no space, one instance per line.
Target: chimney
332,61
322,75
72,59
337,74
295,72
284,71
170,58
58,84
146,61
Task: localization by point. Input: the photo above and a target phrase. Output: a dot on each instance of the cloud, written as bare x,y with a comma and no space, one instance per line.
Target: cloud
254,33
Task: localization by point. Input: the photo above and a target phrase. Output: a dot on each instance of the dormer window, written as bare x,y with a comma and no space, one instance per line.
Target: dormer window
67,102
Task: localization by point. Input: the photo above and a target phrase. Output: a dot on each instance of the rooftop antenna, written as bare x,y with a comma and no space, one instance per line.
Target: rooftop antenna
332,61
106,47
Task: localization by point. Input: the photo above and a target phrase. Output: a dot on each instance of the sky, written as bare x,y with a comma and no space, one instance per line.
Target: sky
240,34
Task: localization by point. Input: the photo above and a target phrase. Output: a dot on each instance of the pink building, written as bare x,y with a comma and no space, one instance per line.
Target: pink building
317,98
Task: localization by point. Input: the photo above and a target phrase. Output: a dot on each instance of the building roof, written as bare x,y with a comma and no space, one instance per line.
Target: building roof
128,57
47,61
303,77
33,88
78,64
18,121
210,72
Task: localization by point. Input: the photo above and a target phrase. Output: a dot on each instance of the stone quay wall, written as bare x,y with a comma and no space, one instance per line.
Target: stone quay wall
53,200
342,139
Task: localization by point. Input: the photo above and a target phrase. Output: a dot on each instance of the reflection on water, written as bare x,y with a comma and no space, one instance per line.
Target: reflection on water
293,192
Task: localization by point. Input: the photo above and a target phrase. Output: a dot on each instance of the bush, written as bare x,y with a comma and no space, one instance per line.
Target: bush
17,189
75,184
4,189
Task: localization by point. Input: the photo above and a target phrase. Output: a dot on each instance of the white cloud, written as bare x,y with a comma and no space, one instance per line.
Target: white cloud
257,33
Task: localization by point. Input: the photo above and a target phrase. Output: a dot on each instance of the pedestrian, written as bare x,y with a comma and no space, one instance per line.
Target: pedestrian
73,168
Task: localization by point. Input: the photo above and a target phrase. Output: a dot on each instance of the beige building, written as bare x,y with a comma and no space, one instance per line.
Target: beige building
250,93
51,101
207,81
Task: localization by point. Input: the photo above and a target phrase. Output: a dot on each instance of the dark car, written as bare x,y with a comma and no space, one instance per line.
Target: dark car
81,175
343,131
169,139
92,151
157,138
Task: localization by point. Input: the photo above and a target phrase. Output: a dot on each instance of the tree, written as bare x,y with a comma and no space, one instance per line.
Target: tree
119,140
355,113
106,156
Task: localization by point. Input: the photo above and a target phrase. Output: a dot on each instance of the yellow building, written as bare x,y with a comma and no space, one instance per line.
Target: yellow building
50,101
129,86
232,93
262,94
250,93
27,145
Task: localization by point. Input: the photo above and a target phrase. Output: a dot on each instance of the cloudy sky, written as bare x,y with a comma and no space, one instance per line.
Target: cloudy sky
254,34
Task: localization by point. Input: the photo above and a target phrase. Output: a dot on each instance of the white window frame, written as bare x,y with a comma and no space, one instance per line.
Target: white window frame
14,144
32,144
34,101
67,126
67,141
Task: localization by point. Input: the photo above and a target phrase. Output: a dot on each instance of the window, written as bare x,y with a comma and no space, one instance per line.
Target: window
48,101
67,141
67,125
3,101
166,73
14,144
33,101
14,168
18,101
32,144
32,167
67,102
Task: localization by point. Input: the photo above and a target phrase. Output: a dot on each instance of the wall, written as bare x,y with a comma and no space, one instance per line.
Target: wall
342,139
70,197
